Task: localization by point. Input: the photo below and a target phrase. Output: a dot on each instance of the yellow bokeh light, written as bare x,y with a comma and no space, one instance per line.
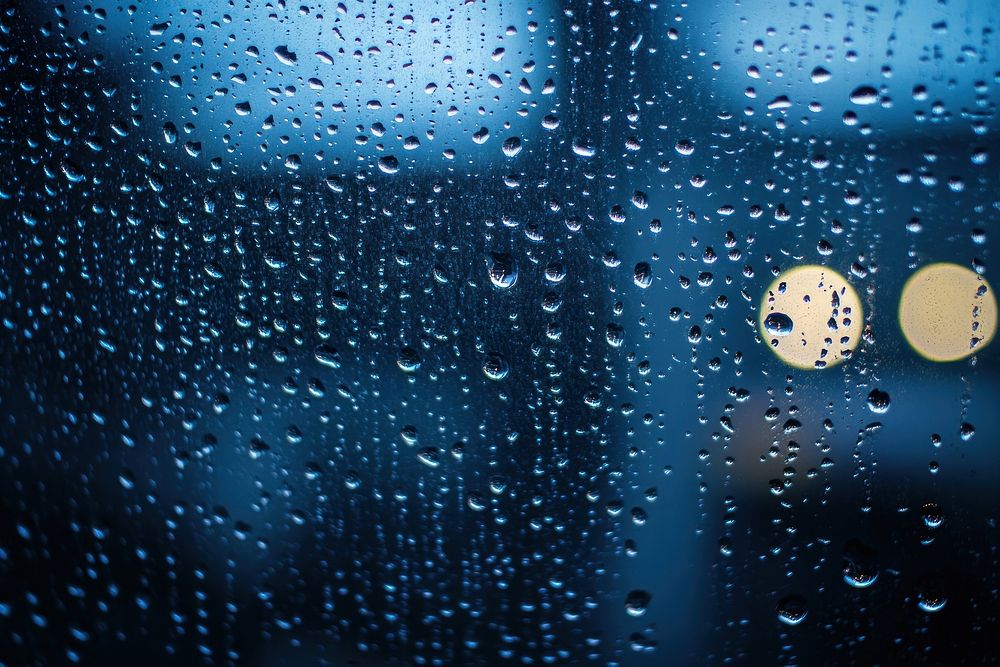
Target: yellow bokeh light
947,312
811,317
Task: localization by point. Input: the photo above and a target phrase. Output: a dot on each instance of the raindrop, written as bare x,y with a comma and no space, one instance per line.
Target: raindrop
878,401
932,515
285,56
820,75
511,146
792,609
778,324
502,270
864,95
637,602
643,275
860,564
388,164
408,360
495,367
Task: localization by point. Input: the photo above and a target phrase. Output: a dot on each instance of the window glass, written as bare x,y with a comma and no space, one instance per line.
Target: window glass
485,332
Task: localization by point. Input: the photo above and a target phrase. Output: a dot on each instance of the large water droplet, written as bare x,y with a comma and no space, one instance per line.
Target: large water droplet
637,602
388,164
778,324
820,75
643,276
864,95
285,56
878,401
860,564
408,360
502,269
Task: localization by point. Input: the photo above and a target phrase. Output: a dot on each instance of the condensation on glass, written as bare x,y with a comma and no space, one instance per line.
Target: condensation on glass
485,332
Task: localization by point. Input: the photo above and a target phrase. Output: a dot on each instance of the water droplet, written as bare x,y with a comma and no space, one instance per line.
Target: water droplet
643,275
429,456
502,270
820,75
792,609
511,146
931,599
860,564
932,515
778,324
878,401
388,164
408,360
495,367
285,56
637,602
864,95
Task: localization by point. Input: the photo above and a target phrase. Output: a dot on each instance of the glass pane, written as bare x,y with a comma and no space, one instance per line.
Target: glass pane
476,332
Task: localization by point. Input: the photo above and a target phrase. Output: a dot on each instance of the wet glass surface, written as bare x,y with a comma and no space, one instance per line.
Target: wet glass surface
498,332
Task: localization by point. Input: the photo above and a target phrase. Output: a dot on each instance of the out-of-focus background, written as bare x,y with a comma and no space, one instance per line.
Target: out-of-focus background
430,332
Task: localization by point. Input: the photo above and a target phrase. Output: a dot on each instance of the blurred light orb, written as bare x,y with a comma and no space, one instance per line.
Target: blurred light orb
811,317
947,312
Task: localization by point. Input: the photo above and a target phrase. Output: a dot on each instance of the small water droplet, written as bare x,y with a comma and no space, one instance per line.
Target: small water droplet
496,367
